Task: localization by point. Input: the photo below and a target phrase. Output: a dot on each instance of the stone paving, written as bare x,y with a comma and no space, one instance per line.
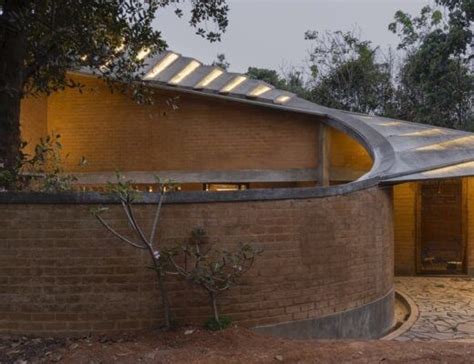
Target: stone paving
446,307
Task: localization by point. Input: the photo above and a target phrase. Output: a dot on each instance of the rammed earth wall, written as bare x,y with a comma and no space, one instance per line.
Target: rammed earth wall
62,273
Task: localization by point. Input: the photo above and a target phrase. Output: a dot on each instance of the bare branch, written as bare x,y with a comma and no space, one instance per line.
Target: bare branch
121,237
136,226
157,217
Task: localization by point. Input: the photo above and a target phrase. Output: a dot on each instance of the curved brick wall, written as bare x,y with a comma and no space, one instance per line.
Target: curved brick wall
60,272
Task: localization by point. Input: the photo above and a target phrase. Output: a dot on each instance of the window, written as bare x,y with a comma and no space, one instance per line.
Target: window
215,187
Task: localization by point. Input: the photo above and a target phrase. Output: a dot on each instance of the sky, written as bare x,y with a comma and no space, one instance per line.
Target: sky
270,33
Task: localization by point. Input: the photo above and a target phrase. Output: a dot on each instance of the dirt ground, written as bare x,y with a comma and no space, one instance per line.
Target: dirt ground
234,345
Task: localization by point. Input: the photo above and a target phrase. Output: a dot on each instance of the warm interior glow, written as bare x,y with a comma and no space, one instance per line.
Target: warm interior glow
233,84
260,89
216,72
186,71
283,99
161,65
219,187
427,132
459,142
143,53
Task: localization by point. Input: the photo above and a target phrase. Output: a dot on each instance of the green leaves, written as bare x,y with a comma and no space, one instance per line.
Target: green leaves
214,270
104,36
348,73
435,83
43,171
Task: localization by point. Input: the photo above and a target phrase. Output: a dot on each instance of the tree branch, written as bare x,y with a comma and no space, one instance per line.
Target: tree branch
121,237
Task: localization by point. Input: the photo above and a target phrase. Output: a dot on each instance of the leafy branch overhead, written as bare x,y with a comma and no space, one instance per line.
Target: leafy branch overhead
109,37
41,41
43,171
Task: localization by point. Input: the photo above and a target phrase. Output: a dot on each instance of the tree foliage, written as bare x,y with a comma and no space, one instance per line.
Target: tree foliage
432,82
348,73
436,83
212,269
221,61
291,80
40,40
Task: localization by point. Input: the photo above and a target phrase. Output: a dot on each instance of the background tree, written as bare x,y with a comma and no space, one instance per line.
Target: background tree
435,83
349,74
221,61
40,40
343,72
292,80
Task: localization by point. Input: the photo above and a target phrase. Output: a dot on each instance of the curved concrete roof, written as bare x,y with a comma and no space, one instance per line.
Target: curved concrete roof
401,150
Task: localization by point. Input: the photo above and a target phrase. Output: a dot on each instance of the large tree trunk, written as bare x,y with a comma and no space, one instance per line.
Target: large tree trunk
12,58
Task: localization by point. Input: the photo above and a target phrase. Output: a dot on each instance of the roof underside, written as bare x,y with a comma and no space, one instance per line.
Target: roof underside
402,151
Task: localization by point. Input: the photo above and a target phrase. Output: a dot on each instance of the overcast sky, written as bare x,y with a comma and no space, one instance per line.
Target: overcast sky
270,33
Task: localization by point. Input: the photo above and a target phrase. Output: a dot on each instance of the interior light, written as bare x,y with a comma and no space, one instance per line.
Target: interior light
283,99
161,65
216,72
233,84
260,89
191,66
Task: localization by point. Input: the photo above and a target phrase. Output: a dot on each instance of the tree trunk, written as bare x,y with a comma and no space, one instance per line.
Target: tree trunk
164,298
214,306
12,58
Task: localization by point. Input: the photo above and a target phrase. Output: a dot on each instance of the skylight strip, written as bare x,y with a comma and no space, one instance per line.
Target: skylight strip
161,66
215,73
233,84
283,99
186,71
259,90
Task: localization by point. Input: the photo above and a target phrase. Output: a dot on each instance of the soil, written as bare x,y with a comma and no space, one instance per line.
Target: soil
233,345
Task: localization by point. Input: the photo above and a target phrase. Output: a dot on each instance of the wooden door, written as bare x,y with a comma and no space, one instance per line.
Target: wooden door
441,247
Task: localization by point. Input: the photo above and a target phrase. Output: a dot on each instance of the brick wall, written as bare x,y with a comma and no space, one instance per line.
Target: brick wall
204,133
60,272
114,132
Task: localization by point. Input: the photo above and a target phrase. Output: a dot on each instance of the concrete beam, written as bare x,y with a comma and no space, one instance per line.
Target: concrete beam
323,156
242,175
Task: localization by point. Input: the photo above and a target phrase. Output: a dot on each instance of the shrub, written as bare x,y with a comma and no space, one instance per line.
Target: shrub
214,270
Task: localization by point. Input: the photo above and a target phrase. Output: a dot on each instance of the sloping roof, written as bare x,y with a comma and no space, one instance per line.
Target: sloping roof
401,150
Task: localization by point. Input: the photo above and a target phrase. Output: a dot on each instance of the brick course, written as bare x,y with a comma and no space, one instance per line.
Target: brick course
61,272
